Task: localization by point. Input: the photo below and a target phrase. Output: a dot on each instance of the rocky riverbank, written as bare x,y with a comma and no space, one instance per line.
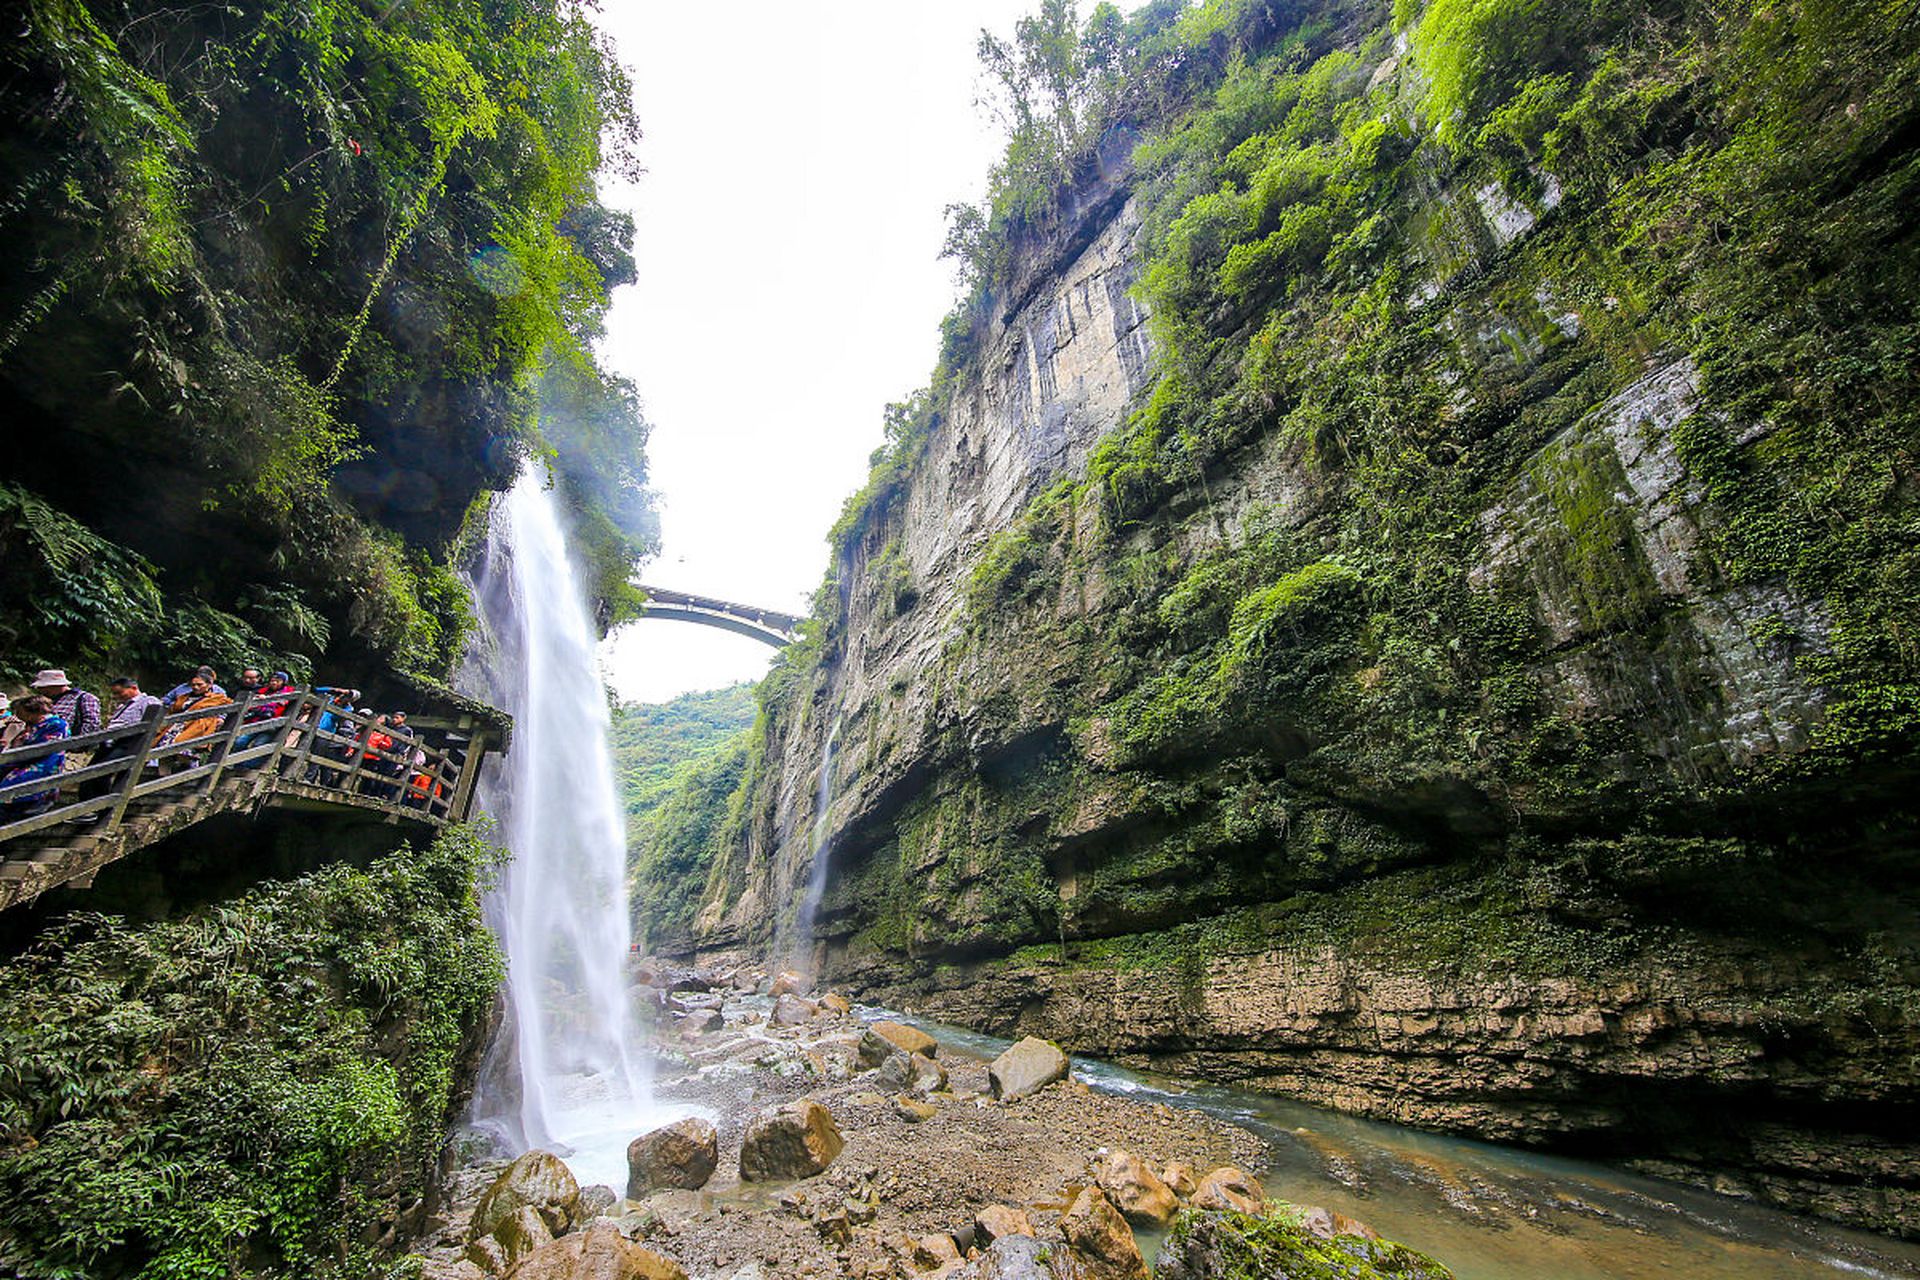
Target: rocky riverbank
829,1145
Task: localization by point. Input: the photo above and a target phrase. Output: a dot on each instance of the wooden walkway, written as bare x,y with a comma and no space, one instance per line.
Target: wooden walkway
139,789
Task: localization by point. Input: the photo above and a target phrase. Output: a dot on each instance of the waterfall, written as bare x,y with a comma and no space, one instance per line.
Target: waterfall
564,1073
799,951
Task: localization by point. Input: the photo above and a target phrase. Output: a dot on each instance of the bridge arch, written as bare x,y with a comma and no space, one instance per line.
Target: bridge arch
768,626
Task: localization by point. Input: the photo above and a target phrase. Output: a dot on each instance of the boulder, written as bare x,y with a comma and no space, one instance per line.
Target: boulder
681,1155
1179,1179
522,1235
486,1254
930,1252
874,1049
1100,1239
797,1140
924,1075
998,1220
1027,1067
595,1202
1227,1188
1135,1191
787,982
792,1011
1010,1258
538,1179
598,1253
896,1072
1207,1245
701,1021
1328,1223
907,1039
838,1005
914,1111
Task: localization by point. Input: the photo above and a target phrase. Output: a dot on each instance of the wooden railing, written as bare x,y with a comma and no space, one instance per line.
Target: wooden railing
284,747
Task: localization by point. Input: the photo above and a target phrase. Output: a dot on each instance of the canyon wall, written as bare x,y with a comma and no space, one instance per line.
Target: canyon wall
1475,744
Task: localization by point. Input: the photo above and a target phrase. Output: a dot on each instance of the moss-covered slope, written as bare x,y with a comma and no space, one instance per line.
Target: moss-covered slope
261,1088
1423,523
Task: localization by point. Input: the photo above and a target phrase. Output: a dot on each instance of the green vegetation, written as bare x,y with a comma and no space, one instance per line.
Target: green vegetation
1241,1246
247,1091
653,741
1438,628
291,287
681,764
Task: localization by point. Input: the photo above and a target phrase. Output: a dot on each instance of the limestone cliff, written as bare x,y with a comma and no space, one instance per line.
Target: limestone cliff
1449,671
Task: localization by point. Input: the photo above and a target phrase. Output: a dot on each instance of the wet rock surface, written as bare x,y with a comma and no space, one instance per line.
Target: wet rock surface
683,1155
944,1183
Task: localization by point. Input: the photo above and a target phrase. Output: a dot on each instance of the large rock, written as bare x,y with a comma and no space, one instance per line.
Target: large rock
787,982
1027,1067
1226,1188
538,1179
926,1075
792,1011
797,1140
1179,1179
1135,1191
835,1004
907,1039
998,1220
1010,1258
1100,1238
598,1253
875,1049
1208,1246
681,1155
522,1234
487,1254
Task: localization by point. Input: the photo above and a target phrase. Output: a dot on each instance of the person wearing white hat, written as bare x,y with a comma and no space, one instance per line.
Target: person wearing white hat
80,709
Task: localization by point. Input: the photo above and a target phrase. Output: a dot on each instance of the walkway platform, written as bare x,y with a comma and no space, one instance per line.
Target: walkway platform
141,788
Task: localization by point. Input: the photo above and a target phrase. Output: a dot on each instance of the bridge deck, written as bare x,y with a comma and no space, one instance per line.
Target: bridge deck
768,626
144,783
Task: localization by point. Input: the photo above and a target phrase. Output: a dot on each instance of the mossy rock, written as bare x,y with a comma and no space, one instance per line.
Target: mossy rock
1277,1246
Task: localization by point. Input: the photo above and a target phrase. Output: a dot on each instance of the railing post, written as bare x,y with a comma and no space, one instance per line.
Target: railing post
226,743
155,718
462,796
347,781
290,720
300,761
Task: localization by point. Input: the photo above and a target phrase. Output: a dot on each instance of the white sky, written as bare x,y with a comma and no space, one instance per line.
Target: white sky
799,158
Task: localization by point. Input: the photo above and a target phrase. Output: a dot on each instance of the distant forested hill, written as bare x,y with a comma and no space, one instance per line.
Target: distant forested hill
653,741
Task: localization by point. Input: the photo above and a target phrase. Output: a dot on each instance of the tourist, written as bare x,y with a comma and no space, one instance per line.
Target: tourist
36,712
130,709
373,763
76,708
11,726
250,682
271,699
181,690
201,695
339,703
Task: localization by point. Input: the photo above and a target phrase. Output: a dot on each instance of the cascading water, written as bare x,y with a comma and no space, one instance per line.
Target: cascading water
565,1073
799,948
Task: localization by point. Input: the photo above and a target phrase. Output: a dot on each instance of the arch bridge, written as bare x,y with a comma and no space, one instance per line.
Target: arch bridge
768,626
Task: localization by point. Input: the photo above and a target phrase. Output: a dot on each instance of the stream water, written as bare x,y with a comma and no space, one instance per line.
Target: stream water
1495,1213
567,1072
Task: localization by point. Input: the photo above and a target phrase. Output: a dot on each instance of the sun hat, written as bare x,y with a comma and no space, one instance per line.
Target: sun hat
51,678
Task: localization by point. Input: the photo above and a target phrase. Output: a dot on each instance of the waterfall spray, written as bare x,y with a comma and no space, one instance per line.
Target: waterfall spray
799,950
565,1073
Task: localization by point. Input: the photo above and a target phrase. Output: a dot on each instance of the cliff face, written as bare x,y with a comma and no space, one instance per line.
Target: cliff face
1450,720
